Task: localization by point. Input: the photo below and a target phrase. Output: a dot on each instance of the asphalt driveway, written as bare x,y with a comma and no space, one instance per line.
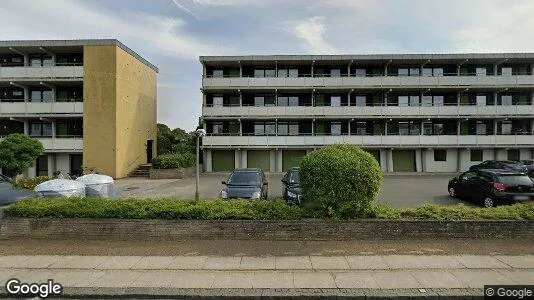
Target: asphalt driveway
398,190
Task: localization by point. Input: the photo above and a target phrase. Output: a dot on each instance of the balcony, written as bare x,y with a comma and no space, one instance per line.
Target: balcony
16,108
368,111
377,141
61,144
56,72
370,82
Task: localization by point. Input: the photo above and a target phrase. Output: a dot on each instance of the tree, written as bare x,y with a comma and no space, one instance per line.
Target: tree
342,180
18,152
175,141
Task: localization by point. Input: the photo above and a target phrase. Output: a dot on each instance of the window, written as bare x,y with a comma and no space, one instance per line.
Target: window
259,73
506,71
259,101
283,128
360,100
270,73
415,128
41,165
439,100
293,101
513,155
481,128
335,101
361,128
270,128
481,100
269,101
506,127
218,128
404,128
414,71
403,100
335,128
414,100
438,72
440,155
41,129
293,129
293,73
69,128
218,101
361,72
427,72
427,101
218,73
38,60
259,128
438,129
282,72
41,95
403,72
476,155
282,101
335,72
506,100
481,71
427,128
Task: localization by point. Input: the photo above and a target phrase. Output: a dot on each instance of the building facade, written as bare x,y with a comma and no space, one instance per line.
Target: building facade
414,113
92,104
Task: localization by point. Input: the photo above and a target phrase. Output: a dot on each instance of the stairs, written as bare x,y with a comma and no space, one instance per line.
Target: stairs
142,171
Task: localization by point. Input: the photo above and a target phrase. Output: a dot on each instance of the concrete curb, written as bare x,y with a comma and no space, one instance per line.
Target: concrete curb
174,293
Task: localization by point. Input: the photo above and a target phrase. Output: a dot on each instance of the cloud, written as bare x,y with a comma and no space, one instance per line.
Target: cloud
312,34
181,7
150,32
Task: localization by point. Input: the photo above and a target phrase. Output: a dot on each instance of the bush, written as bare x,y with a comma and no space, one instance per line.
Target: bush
174,161
30,183
342,180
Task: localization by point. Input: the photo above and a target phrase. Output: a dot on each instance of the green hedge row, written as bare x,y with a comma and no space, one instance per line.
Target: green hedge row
30,183
174,161
243,210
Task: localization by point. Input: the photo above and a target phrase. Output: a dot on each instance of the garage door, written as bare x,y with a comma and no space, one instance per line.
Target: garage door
259,159
292,158
403,161
223,161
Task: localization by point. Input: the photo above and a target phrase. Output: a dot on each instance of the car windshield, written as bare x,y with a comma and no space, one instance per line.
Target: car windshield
295,177
244,178
515,179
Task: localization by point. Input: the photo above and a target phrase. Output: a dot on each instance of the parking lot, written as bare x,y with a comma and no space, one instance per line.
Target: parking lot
407,190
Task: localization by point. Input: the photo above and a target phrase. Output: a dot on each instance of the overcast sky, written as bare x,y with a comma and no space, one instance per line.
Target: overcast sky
173,33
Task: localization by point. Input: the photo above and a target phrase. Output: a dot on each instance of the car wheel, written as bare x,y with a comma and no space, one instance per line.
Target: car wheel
489,202
452,192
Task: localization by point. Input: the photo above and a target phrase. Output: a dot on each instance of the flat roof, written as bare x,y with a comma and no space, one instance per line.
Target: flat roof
451,56
81,42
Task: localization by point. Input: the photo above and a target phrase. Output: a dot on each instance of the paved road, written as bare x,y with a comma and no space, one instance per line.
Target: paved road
113,275
398,190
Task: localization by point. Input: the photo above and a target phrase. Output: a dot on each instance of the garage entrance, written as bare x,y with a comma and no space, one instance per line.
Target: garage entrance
259,159
404,161
223,161
292,158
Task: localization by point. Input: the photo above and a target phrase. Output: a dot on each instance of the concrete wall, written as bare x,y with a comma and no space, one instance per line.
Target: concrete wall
100,106
136,112
120,112
440,166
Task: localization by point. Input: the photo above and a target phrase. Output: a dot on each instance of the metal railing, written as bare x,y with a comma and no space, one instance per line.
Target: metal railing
367,75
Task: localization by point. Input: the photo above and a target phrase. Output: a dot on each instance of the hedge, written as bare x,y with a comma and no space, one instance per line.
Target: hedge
243,210
174,161
30,183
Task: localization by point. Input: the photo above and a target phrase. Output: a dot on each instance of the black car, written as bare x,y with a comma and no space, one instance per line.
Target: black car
500,164
246,184
9,194
530,166
492,187
291,181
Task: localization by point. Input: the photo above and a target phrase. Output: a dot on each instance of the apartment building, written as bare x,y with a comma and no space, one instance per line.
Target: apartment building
413,113
92,104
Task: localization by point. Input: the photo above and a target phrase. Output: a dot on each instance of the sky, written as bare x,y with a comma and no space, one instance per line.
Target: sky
172,34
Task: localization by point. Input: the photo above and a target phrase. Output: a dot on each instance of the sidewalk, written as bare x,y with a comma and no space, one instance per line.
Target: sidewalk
274,276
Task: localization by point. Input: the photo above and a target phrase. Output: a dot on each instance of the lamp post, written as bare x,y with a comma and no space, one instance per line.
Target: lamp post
199,133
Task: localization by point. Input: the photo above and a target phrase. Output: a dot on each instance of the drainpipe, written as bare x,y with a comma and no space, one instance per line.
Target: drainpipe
348,69
459,65
386,67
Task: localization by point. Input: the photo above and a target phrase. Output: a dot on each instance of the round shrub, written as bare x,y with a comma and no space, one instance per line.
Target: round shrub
174,161
341,180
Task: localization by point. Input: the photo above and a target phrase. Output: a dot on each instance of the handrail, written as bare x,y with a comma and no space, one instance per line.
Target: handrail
366,134
41,100
46,66
369,75
388,104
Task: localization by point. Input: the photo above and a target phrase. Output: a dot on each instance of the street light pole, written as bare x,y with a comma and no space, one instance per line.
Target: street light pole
199,133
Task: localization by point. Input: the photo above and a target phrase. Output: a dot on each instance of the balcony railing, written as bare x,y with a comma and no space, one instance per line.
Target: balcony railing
56,72
72,143
375,81
383,110
26,107
366,140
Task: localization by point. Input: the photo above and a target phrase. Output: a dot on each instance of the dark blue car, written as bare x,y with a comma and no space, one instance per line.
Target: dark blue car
291,183
9,195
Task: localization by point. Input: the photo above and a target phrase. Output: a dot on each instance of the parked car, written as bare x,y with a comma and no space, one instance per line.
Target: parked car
500,164
9,195
530,166
291,181
245,183
492,187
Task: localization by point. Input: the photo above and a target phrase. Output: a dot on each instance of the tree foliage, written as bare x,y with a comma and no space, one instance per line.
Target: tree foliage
18,152
342,180
175,141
